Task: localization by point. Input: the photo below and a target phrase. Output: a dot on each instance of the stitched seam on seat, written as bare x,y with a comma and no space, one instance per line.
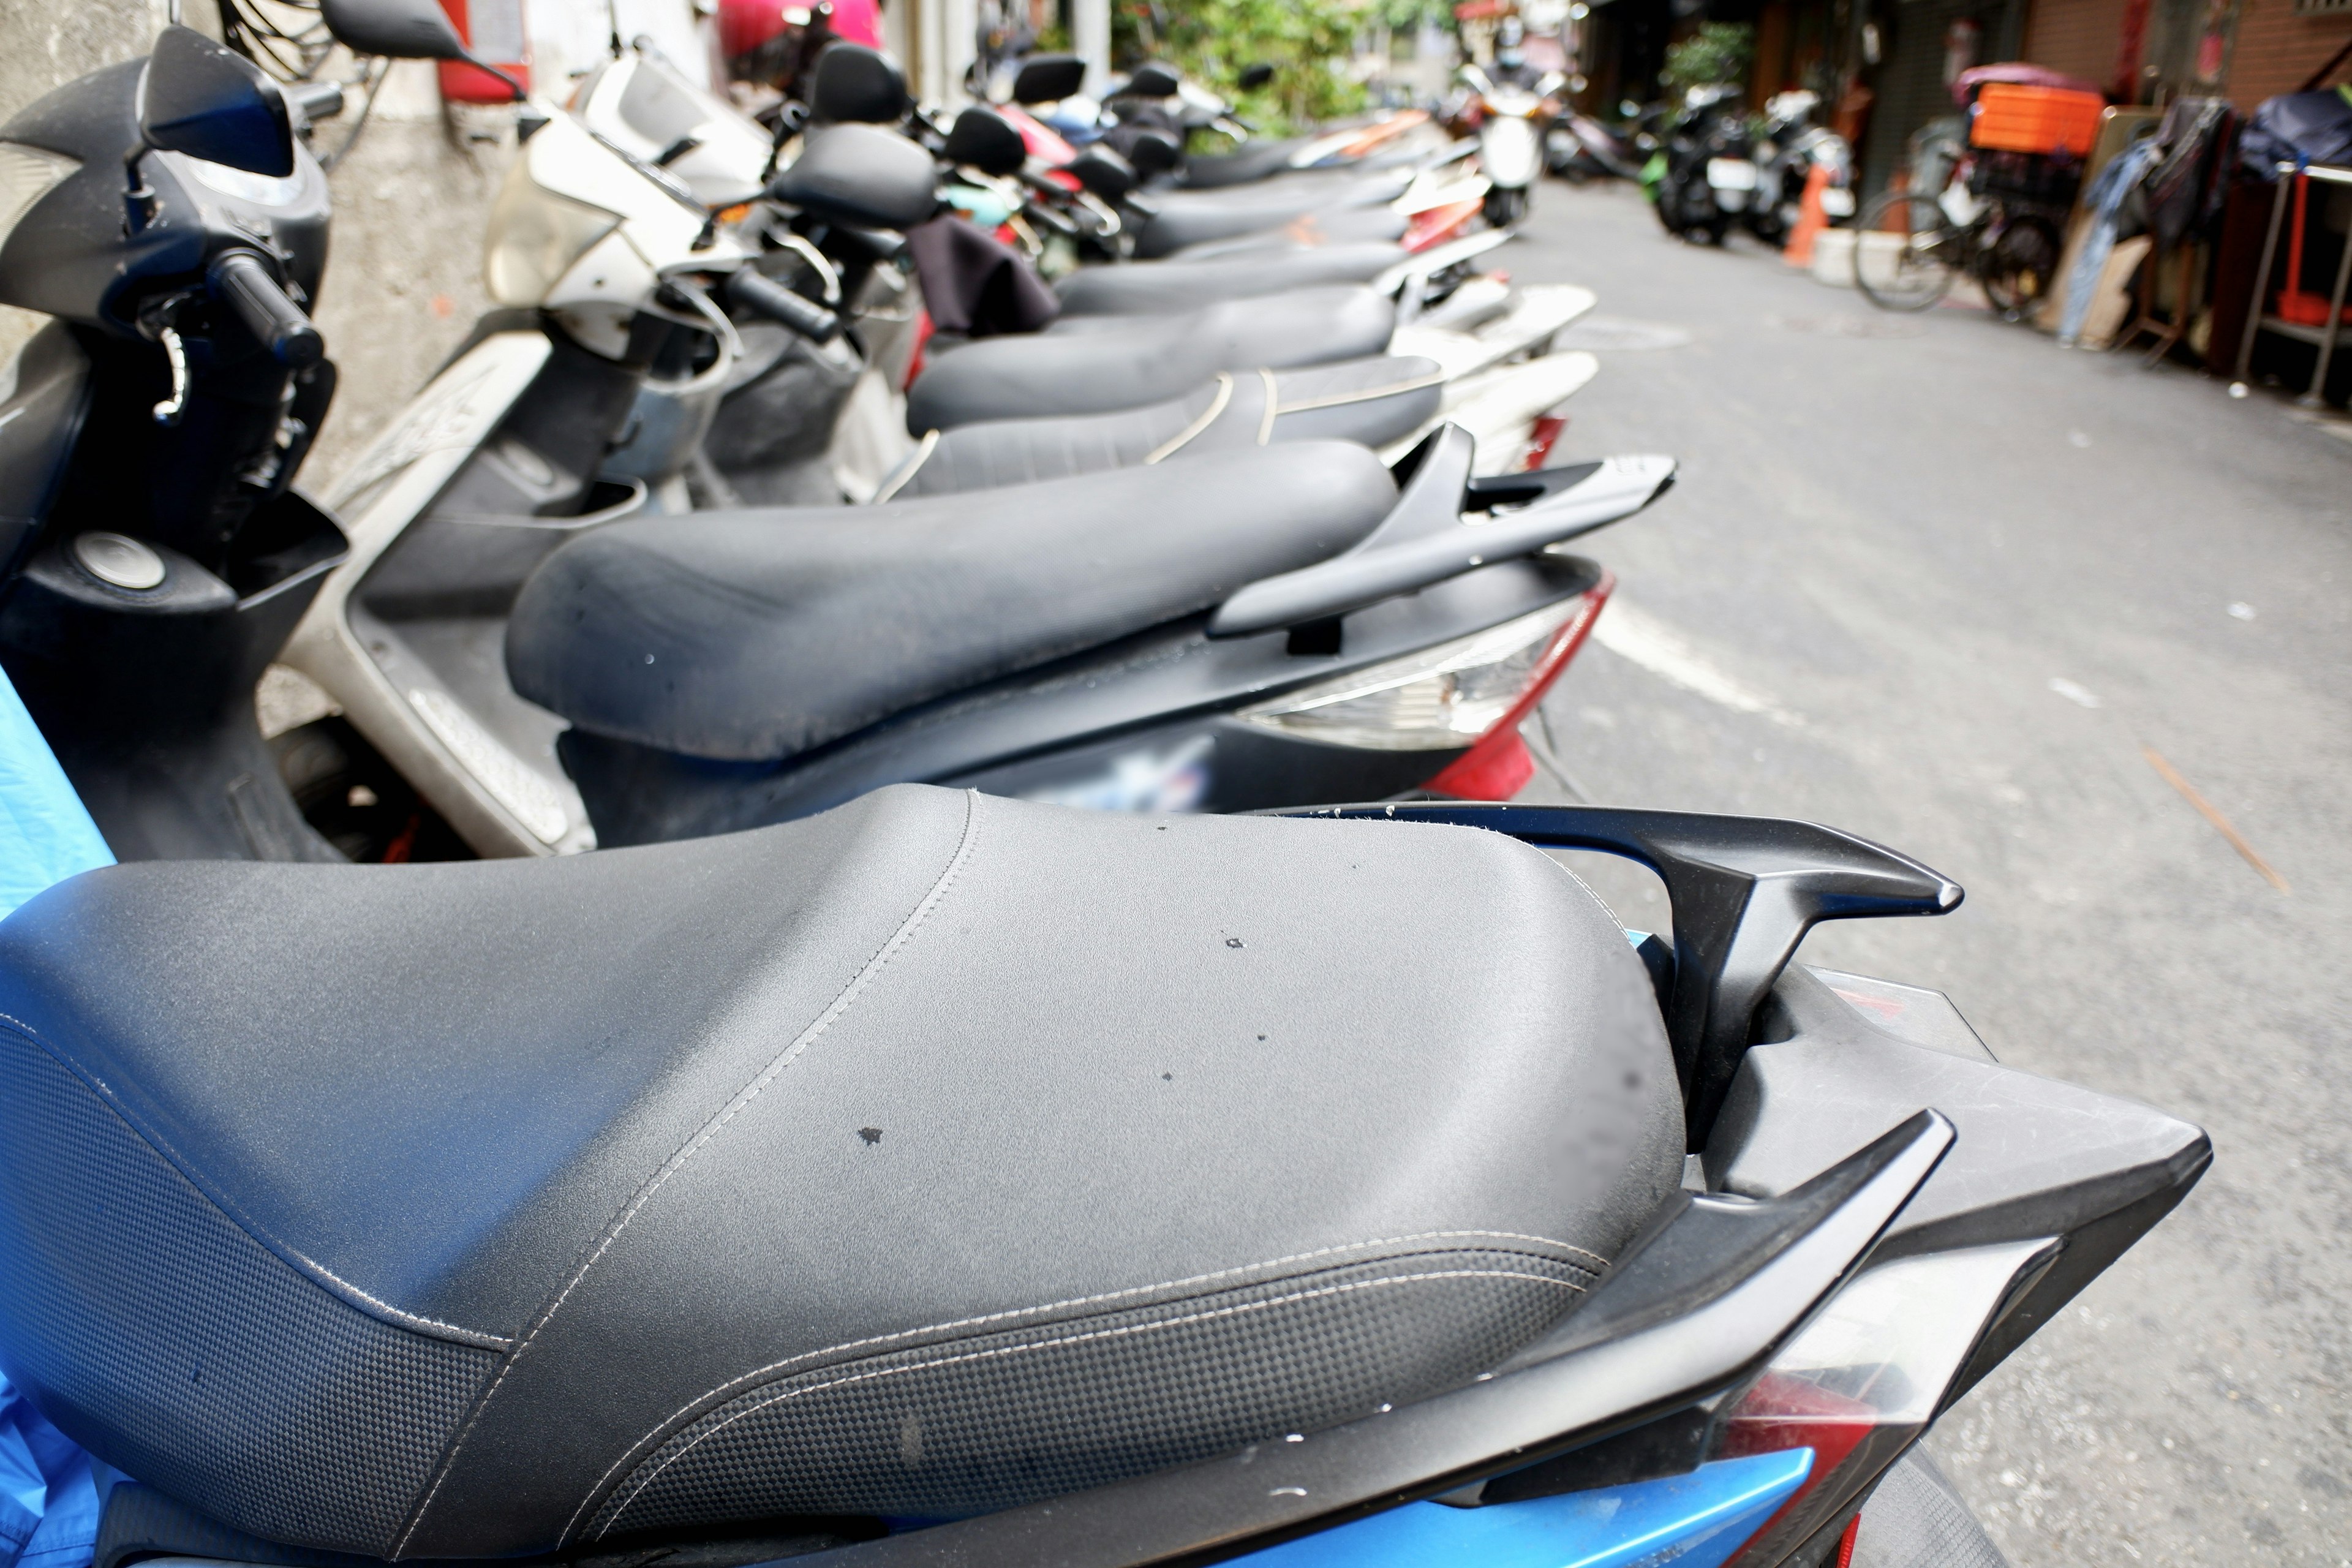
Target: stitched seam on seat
1340,399
302,1263
1003,1352
1266,420
710,1129
1177,442
1319,1254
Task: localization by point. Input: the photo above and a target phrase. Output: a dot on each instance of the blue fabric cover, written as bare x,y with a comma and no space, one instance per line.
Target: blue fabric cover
45,836
48,1502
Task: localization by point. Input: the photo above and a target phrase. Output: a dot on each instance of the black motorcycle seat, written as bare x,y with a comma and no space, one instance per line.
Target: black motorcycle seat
1258,160
1148,288
934,1154
756,636
1191,217
1371,402
1125,363
1329,226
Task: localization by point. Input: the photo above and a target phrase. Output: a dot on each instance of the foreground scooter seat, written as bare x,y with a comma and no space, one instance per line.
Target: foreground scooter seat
756,636
1185,218
1189,285
1114,363
1371,402
930,1155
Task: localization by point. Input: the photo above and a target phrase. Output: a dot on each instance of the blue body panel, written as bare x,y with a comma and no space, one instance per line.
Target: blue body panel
45,836
1695,1520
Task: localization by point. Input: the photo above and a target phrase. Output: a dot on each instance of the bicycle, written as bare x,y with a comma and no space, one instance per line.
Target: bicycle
2012,257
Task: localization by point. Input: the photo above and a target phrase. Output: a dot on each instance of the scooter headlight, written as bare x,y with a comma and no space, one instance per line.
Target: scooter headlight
1441,698
26,174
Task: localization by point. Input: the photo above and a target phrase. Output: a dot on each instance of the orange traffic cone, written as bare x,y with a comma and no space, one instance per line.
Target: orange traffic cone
1811,219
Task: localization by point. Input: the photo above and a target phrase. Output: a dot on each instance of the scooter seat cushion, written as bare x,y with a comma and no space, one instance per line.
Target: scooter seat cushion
1107,362
935,1155
1148,288
1371,402
756,636
1258,160
1308,231
1187,217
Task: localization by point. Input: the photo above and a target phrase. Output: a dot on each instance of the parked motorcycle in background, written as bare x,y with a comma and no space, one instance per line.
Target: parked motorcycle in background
1510,118
1579,148
1707,175
1788,146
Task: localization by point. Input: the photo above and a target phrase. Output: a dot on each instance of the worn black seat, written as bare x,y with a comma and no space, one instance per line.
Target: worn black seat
1149,288
1371,402
1254,161
926,1156
754,636
1323,228
1184,218
1105,363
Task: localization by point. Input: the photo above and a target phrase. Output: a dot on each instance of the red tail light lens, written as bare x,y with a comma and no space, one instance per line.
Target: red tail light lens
1862,1381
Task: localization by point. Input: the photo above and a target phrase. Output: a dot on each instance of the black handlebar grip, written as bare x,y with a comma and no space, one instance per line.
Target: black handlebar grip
241,279
752,290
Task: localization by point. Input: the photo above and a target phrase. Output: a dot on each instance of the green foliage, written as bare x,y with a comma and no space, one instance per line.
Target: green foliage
1408,15
1308,43
1718,53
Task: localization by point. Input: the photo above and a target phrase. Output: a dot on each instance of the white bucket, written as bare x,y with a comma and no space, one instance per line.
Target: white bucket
1834,258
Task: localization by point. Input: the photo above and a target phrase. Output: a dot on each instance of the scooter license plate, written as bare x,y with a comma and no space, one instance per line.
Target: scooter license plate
1731,173
1836,203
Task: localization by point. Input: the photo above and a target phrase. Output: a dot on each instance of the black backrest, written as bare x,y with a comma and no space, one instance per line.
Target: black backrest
986,141
1048,78
858,84
861,174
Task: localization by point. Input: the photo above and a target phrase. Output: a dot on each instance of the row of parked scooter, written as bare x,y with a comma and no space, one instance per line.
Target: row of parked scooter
862,1167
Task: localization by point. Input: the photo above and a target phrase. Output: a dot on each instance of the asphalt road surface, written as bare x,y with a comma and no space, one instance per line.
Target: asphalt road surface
1935,581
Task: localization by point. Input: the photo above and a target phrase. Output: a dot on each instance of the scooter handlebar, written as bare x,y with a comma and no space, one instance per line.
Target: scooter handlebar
752,290
241,281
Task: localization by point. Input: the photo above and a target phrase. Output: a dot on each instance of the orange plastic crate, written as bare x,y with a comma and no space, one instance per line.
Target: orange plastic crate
2035,119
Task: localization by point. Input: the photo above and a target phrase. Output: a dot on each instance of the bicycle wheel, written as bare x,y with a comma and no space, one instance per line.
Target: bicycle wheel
2021,265
1907,251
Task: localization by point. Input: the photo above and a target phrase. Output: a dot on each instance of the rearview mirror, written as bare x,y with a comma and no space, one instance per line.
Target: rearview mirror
1254,77
986,141
1049,78
397,29
200,99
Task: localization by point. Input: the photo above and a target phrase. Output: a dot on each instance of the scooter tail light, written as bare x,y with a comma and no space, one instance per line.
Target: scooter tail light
1499,765
1862,1381
1543,435
1470,692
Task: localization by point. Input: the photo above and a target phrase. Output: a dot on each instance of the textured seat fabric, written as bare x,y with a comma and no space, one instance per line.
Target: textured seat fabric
1371,402
754,636
1187,217
1185,285
1103,363
934,1154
